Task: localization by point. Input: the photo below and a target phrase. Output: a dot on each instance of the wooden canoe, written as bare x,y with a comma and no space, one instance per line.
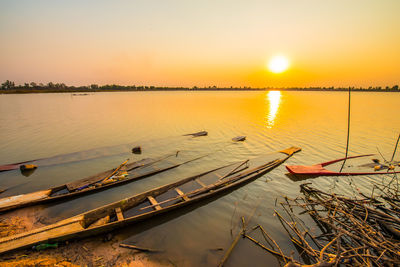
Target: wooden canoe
135,171
150,203
355,165
40,161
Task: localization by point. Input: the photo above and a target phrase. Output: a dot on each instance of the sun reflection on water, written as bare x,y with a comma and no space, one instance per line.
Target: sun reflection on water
274,99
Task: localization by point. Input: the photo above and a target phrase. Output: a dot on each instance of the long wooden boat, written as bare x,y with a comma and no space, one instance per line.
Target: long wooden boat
148,204
356,165
14,166
40,161
101,181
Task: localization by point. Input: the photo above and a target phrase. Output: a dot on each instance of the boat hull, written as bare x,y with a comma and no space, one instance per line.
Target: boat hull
351,168
97,221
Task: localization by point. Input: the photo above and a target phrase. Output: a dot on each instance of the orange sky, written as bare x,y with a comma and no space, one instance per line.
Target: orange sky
202,43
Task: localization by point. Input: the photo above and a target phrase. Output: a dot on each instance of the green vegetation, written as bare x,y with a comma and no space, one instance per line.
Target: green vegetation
9,87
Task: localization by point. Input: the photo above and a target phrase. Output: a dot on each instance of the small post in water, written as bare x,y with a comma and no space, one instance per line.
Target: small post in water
395,148
348,131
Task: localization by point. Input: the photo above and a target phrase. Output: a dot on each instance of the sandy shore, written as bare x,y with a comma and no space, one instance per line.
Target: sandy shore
102,250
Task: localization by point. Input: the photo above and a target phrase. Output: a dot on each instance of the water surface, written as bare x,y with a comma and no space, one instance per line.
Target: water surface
96,132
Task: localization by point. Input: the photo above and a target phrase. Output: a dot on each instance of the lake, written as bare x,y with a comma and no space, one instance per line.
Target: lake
96,132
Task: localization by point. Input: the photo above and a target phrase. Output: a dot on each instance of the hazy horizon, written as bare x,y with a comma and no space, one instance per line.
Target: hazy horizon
186,44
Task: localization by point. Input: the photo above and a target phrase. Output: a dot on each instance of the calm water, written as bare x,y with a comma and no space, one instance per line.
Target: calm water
96,132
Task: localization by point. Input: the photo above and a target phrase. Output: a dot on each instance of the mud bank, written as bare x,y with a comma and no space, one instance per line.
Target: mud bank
103,250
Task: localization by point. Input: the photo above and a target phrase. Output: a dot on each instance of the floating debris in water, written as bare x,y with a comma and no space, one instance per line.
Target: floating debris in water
239,138
202,133
137,150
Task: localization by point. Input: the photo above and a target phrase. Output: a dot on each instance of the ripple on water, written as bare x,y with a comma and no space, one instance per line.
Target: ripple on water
96,132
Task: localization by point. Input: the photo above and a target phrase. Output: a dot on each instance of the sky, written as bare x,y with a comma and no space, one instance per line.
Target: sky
201,43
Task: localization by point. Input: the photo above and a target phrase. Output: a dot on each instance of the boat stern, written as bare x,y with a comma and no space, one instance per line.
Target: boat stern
308,170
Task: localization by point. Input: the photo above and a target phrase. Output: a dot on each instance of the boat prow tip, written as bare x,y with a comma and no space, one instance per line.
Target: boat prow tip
288,169
291,150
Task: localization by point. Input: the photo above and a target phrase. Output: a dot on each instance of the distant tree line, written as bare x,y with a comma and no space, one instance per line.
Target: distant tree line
394,88
10,87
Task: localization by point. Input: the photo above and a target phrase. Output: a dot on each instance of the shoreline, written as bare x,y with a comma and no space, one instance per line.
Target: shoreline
86,91
100,250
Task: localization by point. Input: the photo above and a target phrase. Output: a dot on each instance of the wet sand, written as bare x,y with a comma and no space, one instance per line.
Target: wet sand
102,250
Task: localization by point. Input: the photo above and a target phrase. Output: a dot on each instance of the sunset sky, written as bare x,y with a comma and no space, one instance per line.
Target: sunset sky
201,43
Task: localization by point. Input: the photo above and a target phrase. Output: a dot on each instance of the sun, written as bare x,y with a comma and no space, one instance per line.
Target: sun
278,64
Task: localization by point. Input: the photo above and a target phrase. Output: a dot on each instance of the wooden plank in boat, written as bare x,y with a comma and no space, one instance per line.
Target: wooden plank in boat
154,202
120,216
184,197
101,221
200,182
218,175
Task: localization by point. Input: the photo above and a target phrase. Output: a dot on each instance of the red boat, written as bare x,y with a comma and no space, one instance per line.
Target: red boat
356,165
14,166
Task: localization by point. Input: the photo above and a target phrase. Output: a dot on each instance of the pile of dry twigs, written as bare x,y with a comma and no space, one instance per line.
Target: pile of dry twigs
356,231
